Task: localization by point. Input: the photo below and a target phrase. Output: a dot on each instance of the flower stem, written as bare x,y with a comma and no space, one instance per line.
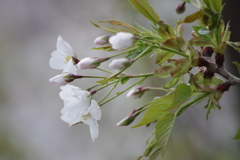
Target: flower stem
123,52
139,75
104,70
108,93
119,93
187,105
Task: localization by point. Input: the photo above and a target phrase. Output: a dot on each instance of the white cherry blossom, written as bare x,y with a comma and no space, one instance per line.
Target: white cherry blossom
119,64
62,57
79,107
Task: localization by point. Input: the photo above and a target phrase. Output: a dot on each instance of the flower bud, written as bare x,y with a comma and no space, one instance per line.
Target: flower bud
119,64
90,62
130,118
101,40
121,40
136,92
180,8
62,79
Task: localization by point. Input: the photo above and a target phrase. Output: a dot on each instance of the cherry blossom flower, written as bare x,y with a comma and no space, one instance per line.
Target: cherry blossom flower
121,40
79,107
62,57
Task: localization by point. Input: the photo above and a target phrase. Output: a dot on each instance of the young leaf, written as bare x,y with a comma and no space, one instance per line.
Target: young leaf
237,65
145,9
237,136
120,23
162,56
235,45
180,95
109,29
163,130
155,110
193,17
163,71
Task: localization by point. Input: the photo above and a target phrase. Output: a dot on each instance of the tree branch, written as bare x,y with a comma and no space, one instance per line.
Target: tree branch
213,67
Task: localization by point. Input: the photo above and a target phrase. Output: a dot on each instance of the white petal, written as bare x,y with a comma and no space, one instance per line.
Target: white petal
64,47
70,67
93,126
71,121
95,110
67,93
57,60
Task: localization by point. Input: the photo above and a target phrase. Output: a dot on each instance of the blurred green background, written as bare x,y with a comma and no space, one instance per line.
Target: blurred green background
30,124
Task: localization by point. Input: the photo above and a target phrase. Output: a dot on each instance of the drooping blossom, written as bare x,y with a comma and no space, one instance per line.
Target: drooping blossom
79,107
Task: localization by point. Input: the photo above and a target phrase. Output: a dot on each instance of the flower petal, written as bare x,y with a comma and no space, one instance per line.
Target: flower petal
64,47
93,126
70,67
95,110
57,60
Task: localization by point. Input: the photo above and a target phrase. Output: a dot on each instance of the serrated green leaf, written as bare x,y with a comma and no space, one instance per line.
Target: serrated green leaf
156,110
182,67
120,23
171,83
180,95
193,17
237,65
154,155
237,136
145,9
163,71
163,131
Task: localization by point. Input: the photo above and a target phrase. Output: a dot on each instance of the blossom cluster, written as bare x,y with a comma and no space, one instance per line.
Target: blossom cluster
79,107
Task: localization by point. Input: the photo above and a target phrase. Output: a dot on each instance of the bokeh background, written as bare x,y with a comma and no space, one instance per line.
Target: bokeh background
30,124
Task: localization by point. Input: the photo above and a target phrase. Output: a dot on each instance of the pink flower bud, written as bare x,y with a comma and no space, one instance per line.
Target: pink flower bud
90,62
62,79
136,92
130,118
119,64
101,40
121,40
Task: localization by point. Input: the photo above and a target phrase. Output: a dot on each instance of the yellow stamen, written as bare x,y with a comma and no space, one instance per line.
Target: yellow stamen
67,59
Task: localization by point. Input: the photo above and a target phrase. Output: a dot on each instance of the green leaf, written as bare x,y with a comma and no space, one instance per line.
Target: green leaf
171,83
145,9
235,45
156,110
163,130
163,71
182,67
162,56
120,23
180,95
237,65
204,31
237,136
193,17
